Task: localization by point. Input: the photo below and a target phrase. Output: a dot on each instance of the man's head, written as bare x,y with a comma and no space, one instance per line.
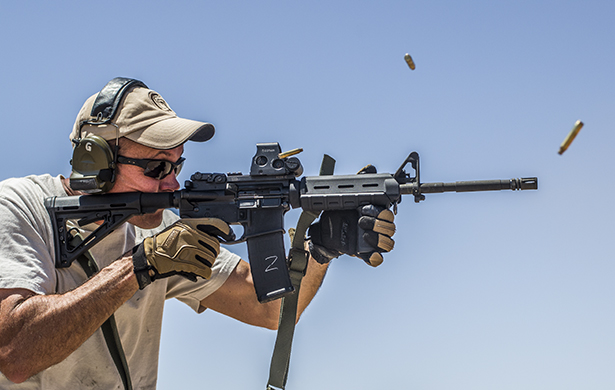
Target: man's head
127,138
124,108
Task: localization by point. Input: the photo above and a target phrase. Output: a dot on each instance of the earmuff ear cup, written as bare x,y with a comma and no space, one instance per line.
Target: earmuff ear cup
93,166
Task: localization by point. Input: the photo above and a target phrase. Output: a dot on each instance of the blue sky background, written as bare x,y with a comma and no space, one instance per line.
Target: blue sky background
499,290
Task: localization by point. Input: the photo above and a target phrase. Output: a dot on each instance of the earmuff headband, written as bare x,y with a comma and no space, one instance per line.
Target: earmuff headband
109,98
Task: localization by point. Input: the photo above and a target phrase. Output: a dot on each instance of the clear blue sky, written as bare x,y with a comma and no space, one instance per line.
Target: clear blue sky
495,290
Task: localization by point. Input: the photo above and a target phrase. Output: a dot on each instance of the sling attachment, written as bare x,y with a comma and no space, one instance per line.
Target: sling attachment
298,257
109,327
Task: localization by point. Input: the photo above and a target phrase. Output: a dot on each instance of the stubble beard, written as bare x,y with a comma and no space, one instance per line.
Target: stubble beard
147,221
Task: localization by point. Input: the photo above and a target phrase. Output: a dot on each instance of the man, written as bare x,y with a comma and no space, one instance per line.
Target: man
50,318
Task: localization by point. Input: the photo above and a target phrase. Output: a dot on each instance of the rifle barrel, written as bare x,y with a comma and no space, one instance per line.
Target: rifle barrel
526,183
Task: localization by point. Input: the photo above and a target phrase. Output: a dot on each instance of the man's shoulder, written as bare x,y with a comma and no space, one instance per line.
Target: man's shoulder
32,186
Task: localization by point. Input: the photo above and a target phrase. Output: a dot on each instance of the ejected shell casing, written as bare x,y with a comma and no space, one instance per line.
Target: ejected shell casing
570,137
290,153
409,61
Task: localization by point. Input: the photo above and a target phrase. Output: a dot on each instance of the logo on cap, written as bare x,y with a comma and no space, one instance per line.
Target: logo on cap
159,102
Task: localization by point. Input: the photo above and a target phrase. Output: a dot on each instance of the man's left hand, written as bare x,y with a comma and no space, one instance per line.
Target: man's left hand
337,233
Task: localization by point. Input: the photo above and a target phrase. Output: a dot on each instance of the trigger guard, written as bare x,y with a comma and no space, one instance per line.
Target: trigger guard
240,240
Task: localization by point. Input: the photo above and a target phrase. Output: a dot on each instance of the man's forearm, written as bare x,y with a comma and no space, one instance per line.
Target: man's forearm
310,284
38,331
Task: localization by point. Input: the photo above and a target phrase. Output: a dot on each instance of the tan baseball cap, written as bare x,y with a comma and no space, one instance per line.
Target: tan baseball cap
143,117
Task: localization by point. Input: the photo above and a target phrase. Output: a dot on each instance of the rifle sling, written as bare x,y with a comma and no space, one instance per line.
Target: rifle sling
109,327
280,361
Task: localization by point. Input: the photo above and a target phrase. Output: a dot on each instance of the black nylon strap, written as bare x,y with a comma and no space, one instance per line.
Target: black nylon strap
280,361
109,327
109,98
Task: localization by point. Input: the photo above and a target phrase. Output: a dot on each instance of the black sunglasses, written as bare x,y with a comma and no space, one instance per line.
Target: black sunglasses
158,169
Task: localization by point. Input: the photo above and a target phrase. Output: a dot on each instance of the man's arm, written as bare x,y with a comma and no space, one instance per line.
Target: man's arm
38,331
236,297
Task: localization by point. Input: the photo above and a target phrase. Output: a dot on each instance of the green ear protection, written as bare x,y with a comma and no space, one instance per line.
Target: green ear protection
93,165
94,161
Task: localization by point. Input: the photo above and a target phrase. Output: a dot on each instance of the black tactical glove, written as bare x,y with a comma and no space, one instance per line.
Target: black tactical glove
337,233
189,248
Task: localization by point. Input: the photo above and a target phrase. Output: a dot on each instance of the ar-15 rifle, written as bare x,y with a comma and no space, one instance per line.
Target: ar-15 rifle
257,201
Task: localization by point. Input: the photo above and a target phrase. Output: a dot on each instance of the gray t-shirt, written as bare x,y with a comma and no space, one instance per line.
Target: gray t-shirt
27,260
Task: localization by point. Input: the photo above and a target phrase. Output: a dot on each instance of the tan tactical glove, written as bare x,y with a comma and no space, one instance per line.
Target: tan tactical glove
189,248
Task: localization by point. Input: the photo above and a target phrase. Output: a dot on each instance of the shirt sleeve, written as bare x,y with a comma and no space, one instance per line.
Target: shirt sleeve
192,293
26,239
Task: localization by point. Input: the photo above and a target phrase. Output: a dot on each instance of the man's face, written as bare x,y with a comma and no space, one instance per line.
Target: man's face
130,178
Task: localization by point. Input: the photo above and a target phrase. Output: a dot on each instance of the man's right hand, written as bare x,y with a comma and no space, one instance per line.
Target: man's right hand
189,248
